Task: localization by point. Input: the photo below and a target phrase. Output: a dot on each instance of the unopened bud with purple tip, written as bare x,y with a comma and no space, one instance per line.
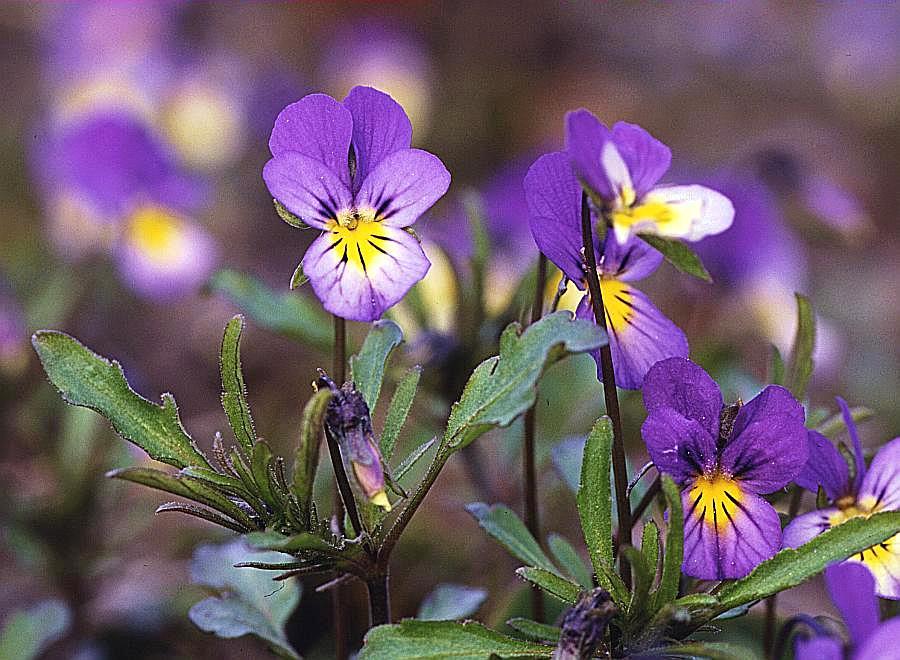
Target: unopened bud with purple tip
348,421
584,625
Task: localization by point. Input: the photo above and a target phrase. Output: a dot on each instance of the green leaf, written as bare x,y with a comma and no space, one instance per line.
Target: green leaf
27,633
449,602
86,379
398,410
302,542
535,630
679,255
436,640
674,550
639,603
708,650
248,601
503,387
650,547
288,314
259,467
552,583
776,366
412,459
569,559
187,487
287,216
800,368
791,567
595,498
234,392
367,366
508,529
306,460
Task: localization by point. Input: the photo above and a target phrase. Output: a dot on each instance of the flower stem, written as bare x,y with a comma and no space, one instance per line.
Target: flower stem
532,521
379,600
620,476
771,621
338,371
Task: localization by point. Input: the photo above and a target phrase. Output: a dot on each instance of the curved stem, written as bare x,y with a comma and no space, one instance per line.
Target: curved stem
620,476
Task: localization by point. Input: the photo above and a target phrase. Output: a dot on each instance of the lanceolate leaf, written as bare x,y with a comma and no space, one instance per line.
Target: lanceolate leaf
679,255
288,314
449,602
434,640
552,583
568,558
674,550
306,460
502,387
535,630
595,499
801,365
234,392
367,366
398,410
776,366
86,379
506,527
412,459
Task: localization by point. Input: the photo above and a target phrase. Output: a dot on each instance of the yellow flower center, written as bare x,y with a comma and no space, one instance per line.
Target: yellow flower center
617,302
358,237
157,233
714,499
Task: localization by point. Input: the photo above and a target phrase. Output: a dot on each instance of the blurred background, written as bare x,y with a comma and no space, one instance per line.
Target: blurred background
131,146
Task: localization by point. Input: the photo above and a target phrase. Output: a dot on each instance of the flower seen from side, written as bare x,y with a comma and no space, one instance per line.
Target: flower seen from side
639,334
621,167
724,458
867,492
346,168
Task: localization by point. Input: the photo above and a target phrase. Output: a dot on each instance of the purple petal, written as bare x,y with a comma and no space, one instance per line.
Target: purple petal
554,200
380,127
358,274
854,439
629,261
307,188
728,531
767,449
678,446
587,140
882,481
403,186
647,158
882,644
680,384
818,648
806,527
824,467
852,590
317,127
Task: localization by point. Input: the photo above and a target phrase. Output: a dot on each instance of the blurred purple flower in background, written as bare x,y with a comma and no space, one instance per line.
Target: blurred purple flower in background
639,334
870,491
725,457
13,336
364,261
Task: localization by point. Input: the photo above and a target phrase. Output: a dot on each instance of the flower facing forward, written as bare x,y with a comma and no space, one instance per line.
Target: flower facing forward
347,169
639,334
724,457
869,491
852,590
621,167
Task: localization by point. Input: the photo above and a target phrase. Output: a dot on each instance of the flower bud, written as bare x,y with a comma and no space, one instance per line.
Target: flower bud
584,625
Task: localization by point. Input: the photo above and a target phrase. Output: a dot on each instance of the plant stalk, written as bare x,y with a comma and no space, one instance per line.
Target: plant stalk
771,620
339,373
610,395
379,600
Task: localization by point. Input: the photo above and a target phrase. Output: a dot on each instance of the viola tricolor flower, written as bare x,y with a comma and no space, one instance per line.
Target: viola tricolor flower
852,590
347,169
621,168
724,457
869,491
639,334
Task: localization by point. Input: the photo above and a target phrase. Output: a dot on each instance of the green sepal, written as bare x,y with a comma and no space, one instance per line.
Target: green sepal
299,278
679,255
287,216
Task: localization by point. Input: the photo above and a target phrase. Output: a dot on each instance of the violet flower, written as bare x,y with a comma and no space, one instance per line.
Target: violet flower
724,457
869,491
621,167
852,590
639,334
347,169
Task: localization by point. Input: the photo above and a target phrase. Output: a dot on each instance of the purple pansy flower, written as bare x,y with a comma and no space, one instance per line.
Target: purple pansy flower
870,491
639,334
347,169
724,457
852,590
621,168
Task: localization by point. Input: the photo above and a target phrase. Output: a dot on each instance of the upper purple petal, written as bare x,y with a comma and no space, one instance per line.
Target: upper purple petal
380,127
685,387
631,261
307,187
678,446
586,137
852,590
767,449
318,127
857,445
824,467
647,158
554,199
882,481
403,186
